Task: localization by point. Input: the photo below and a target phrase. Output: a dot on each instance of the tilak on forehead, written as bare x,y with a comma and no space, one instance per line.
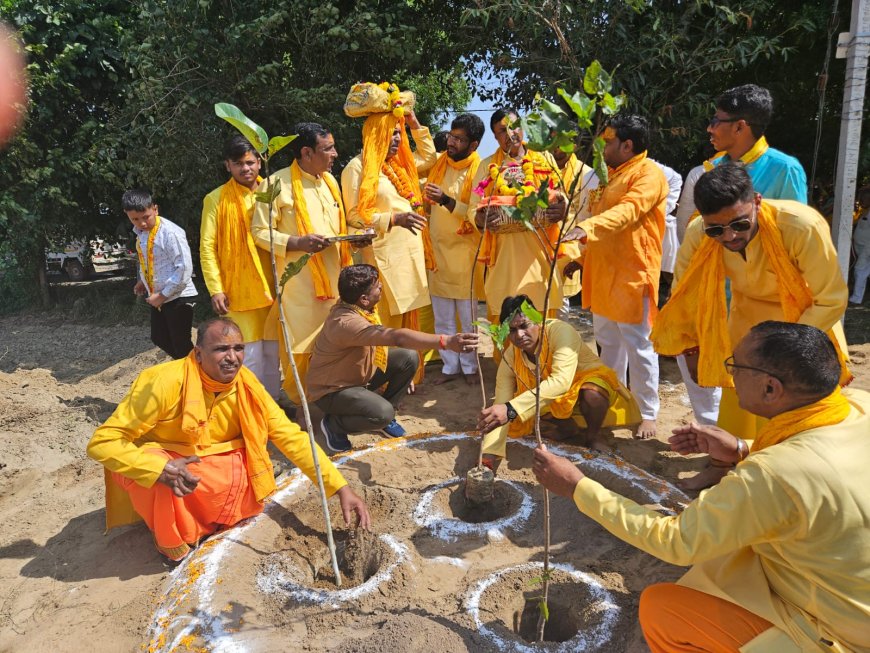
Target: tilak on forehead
608,134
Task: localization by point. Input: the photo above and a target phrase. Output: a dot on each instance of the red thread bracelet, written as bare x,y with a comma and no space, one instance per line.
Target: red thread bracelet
441,343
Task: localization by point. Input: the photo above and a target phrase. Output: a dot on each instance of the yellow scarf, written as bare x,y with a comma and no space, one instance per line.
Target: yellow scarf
833,409
377,133
470,163
754,153
563,406
543,170
146,263
380,350
696,314
572,167
242,275
322,284
252,416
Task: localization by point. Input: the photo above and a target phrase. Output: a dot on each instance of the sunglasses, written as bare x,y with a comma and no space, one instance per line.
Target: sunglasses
737,226
715,121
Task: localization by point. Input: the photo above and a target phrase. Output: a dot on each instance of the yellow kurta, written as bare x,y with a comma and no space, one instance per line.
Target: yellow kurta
396,252
304,312
754,297
578,211
521,263
454,254
150,416
785,535
570,354
623,255
252,323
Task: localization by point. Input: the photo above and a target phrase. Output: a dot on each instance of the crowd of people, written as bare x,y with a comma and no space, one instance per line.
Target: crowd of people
739,270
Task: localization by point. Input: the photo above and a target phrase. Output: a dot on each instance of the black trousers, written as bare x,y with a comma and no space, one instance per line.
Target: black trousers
170,326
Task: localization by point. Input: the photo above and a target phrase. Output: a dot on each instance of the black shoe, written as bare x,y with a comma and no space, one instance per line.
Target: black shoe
336,442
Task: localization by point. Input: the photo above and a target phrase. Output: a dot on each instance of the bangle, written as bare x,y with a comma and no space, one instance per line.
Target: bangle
441,343
742,449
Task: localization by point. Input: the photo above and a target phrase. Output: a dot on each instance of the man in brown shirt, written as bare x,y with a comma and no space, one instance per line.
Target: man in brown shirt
354,355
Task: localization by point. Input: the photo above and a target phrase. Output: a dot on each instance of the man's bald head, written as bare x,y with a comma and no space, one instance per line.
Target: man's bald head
222,325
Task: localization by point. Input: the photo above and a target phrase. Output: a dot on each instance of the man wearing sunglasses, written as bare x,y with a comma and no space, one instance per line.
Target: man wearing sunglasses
782,265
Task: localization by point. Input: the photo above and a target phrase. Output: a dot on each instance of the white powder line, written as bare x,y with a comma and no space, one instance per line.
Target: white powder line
443,527
585,640
274,581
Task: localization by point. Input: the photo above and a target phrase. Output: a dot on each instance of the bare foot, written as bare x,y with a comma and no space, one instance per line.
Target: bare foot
472,379
598,443
445,378
707,477
646,430
412,389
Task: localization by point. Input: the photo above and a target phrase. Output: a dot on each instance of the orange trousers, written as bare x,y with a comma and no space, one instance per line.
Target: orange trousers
676,618
222,497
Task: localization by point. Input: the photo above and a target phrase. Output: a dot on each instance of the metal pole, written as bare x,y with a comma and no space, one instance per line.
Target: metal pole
854,46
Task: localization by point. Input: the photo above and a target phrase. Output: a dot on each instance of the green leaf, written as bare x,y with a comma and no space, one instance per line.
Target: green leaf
537,132
276,143
582,106
502,334
248,128
597,81
545,611
294,268
268,196
598,163
532,313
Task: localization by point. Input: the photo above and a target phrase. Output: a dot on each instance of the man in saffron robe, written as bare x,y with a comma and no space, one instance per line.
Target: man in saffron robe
782,265
307,213
780,548
577,390
454,242
237,274
623,259
186,448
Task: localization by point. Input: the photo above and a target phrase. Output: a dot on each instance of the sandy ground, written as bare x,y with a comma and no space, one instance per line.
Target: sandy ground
69,587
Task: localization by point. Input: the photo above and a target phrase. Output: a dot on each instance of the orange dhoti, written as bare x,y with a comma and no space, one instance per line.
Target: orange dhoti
223,497
678,618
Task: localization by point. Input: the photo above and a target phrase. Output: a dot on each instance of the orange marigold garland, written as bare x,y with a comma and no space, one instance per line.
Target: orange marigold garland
402,183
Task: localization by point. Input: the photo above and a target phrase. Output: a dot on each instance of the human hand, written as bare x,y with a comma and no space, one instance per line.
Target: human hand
559,475
484,217
462,342
411,119
220,303
570,269
576,233
311,243
700,438
557,208
433,193
492,417
178,478
352,503
139,289
155,300
411,221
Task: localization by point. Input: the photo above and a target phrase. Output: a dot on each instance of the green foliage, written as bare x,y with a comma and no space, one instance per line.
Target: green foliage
533,315
498,333
293,269
249,129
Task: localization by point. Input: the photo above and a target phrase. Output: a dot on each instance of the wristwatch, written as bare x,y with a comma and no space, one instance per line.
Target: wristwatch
511,413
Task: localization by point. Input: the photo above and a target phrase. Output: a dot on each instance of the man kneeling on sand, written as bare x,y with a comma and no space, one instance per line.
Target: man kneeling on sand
354,356
577,389
186,448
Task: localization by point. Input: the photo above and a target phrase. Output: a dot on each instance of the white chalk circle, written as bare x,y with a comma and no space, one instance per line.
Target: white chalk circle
276,581
442,526
587,639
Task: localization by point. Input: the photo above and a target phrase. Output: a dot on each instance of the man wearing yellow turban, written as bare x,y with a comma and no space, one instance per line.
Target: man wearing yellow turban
308,211
381,191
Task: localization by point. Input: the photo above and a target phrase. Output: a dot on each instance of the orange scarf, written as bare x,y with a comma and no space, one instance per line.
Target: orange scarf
377,133
696,315
146,263
550,234
322,283
380,350
252,416
833,409
470,163
563,406
242,276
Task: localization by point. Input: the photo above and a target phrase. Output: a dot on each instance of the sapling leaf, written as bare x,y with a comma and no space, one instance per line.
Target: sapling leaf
582,106
502,333
249,129
598,163
294,268
545,611
276,143
532,313
268,196
597,81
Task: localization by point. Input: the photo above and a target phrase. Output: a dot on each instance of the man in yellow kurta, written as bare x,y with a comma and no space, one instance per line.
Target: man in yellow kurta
515,262
381,191
454,241
576,388
237,274
780,548
306,214
186,448
623,259
782,265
